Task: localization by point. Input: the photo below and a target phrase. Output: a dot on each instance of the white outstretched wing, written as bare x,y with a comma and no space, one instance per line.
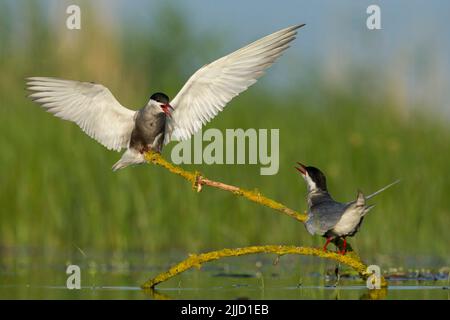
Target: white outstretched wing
91,106
208,90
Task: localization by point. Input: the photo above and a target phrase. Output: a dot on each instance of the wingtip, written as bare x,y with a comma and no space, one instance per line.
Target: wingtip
27,82
45,79
28,79
298,26
293,30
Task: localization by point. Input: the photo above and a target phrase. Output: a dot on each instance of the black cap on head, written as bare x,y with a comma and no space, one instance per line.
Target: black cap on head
160,97
318,177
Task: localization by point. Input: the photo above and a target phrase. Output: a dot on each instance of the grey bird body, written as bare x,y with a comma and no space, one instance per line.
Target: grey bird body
148,131
328,217
332,219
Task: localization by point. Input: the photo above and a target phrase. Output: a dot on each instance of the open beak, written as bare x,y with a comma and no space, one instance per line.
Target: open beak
301,168
167,108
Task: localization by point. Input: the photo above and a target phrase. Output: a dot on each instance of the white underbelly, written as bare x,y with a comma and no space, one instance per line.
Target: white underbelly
348,222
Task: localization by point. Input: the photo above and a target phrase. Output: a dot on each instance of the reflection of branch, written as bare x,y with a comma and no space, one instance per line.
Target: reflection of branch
196,260
156,295
198,181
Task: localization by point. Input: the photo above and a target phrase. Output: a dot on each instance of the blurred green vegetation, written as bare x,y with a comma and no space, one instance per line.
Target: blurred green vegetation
57,189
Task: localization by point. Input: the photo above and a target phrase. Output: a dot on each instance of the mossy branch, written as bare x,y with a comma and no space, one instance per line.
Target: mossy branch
196,260
198,181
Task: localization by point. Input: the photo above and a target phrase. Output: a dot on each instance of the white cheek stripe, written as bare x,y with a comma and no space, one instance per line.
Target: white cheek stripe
310,182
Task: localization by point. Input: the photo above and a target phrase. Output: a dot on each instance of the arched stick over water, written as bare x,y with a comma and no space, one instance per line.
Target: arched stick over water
196,260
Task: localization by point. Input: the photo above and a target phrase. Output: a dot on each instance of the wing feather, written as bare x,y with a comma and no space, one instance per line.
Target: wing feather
209,89
91,106
324,216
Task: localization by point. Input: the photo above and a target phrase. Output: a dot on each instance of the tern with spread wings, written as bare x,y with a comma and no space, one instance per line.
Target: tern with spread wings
97,112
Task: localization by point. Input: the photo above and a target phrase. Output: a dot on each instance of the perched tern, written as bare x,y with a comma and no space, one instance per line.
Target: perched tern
327,217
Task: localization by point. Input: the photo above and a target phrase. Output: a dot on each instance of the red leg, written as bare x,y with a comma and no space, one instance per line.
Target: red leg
345,247
326,244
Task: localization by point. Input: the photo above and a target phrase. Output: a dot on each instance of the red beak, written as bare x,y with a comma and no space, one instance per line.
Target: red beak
301,168
167,108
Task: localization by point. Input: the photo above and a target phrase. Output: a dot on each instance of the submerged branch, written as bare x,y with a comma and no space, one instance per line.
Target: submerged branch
196,260
198,181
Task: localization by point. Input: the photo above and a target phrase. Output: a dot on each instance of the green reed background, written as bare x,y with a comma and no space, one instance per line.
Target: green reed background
57,189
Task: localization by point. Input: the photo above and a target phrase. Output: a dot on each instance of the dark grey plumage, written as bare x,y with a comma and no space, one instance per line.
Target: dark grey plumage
323,213
326,216
148,132
330,218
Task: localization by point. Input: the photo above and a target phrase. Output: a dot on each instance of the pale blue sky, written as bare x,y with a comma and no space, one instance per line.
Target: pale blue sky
413,46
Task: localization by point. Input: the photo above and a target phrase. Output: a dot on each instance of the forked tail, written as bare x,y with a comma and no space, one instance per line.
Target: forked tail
382,189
